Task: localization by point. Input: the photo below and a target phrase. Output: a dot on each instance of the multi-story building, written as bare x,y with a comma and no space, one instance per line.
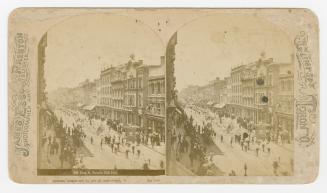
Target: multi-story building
227,90
117,93
251,91
219,87
262,93
87,89
133,94
155,104
236,90
129,93
283,107
263,90
248,92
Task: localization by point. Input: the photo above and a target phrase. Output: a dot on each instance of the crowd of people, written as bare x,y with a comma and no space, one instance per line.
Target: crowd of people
190,140
70,131
59,142
148,138
221,128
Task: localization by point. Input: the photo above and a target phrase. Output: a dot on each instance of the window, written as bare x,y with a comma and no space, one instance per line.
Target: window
158,108
140,101
152,88
140,83
159,89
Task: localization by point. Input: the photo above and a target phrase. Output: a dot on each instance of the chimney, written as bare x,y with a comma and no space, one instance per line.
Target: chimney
162,60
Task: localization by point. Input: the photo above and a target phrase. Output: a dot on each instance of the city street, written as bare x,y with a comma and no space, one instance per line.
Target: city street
235,160
95,154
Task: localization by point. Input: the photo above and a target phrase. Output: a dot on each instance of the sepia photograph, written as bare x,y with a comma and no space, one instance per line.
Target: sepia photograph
231,109
163,95
101,98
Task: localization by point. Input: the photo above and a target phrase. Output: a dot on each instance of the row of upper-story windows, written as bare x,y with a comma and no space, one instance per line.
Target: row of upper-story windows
235,78
108,78
248,101
156,87
286,84
130,100
236,89
134,83
236,99
248,91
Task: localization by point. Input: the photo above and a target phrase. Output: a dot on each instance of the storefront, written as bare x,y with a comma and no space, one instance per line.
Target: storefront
156,124
285,126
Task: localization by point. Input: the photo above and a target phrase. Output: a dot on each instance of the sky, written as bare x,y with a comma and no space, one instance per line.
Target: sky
78,48
208,47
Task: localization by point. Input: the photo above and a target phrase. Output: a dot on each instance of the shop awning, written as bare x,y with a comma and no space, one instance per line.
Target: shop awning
89,107
80,105
219,106
210,103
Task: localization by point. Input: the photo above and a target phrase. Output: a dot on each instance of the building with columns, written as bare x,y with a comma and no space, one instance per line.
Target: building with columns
155,104
133,95
262,93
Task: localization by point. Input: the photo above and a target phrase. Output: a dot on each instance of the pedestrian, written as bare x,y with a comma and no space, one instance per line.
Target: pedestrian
49,139
275,167
52,148
221,138
263,146
91,140
118,146
145,166
138,153
127,151
248,143
191,158
232,173
179,138
61,157
257,150
113,139
133,149
112,147
101,143
186,145
115,148
56,146
268,148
